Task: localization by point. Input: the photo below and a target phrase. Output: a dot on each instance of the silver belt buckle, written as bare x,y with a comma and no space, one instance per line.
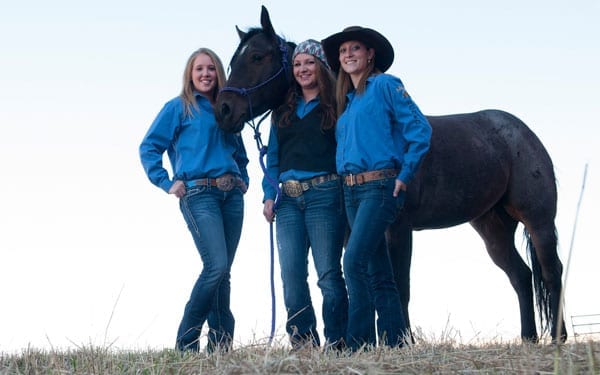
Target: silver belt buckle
351,179
226,182
292,188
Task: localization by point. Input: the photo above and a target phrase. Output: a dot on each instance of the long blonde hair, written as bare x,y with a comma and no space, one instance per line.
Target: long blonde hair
187,92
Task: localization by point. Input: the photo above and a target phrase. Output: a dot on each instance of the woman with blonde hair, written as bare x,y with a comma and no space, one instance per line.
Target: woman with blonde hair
209,177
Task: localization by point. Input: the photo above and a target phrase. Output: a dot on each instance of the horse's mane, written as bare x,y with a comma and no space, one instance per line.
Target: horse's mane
249,34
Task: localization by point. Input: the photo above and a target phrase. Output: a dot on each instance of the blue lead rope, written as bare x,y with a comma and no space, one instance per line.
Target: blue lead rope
245,92
262,153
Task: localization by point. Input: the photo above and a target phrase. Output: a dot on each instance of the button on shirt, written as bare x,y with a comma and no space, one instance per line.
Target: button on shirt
196,146
381,128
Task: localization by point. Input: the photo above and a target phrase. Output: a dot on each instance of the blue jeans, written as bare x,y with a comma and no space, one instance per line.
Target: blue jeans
370,208
315,219
215,220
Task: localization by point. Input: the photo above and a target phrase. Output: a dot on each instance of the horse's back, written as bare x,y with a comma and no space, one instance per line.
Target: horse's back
476,161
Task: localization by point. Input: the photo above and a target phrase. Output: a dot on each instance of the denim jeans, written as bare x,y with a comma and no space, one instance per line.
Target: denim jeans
370,208
215,220
313,220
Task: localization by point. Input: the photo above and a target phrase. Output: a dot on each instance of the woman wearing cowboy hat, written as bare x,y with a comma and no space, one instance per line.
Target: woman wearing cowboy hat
382,137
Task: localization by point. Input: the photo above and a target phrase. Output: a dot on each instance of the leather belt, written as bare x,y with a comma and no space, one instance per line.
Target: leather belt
224,182
295,188
361,178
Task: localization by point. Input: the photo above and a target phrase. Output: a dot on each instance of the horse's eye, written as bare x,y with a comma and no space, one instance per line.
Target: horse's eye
256,57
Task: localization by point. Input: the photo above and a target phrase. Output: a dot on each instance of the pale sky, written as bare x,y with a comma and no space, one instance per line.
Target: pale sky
92,253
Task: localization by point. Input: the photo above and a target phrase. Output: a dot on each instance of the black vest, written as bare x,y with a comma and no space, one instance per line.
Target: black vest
304,146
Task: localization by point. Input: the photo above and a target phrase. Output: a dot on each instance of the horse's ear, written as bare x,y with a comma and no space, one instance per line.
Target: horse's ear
241,34
265,21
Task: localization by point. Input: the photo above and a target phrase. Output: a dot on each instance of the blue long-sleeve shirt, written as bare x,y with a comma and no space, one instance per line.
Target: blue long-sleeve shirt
196,146
381,128
302,109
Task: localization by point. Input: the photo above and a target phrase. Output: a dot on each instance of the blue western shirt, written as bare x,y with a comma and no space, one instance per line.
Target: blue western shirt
196,146
381,128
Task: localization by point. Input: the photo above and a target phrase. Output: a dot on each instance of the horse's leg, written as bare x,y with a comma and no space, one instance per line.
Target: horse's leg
533,202
497,229
547,273
399,241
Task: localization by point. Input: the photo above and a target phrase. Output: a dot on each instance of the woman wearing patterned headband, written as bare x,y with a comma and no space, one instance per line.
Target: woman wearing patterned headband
382,137
310,214
209,178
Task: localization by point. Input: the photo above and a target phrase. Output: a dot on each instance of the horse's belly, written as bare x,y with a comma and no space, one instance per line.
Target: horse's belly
449,199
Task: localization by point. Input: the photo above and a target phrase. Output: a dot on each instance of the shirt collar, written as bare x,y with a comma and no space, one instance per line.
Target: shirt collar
352,92
302,102
201,99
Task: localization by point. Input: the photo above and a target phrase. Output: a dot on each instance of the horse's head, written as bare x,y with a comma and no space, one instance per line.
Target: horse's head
260,74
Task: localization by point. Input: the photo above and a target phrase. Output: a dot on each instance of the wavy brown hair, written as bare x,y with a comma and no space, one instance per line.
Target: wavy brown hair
326,84
187,92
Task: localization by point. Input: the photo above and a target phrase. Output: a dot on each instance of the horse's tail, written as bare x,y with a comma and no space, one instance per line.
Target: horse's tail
542,293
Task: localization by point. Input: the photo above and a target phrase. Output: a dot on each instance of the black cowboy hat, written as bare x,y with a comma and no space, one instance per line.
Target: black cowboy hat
384,52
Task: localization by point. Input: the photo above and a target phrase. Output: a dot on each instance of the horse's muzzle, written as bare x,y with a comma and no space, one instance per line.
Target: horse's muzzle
227,118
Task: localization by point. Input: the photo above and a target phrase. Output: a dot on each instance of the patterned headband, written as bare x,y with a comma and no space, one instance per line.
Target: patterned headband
311,47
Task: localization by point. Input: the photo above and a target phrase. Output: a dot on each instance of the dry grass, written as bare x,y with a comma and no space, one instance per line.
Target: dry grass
426,357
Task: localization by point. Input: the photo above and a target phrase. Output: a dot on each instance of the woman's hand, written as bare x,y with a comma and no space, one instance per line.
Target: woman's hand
178,189
399,186
268,210
244,187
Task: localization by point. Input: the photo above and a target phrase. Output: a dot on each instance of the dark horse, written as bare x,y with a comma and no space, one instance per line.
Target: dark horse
486,168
